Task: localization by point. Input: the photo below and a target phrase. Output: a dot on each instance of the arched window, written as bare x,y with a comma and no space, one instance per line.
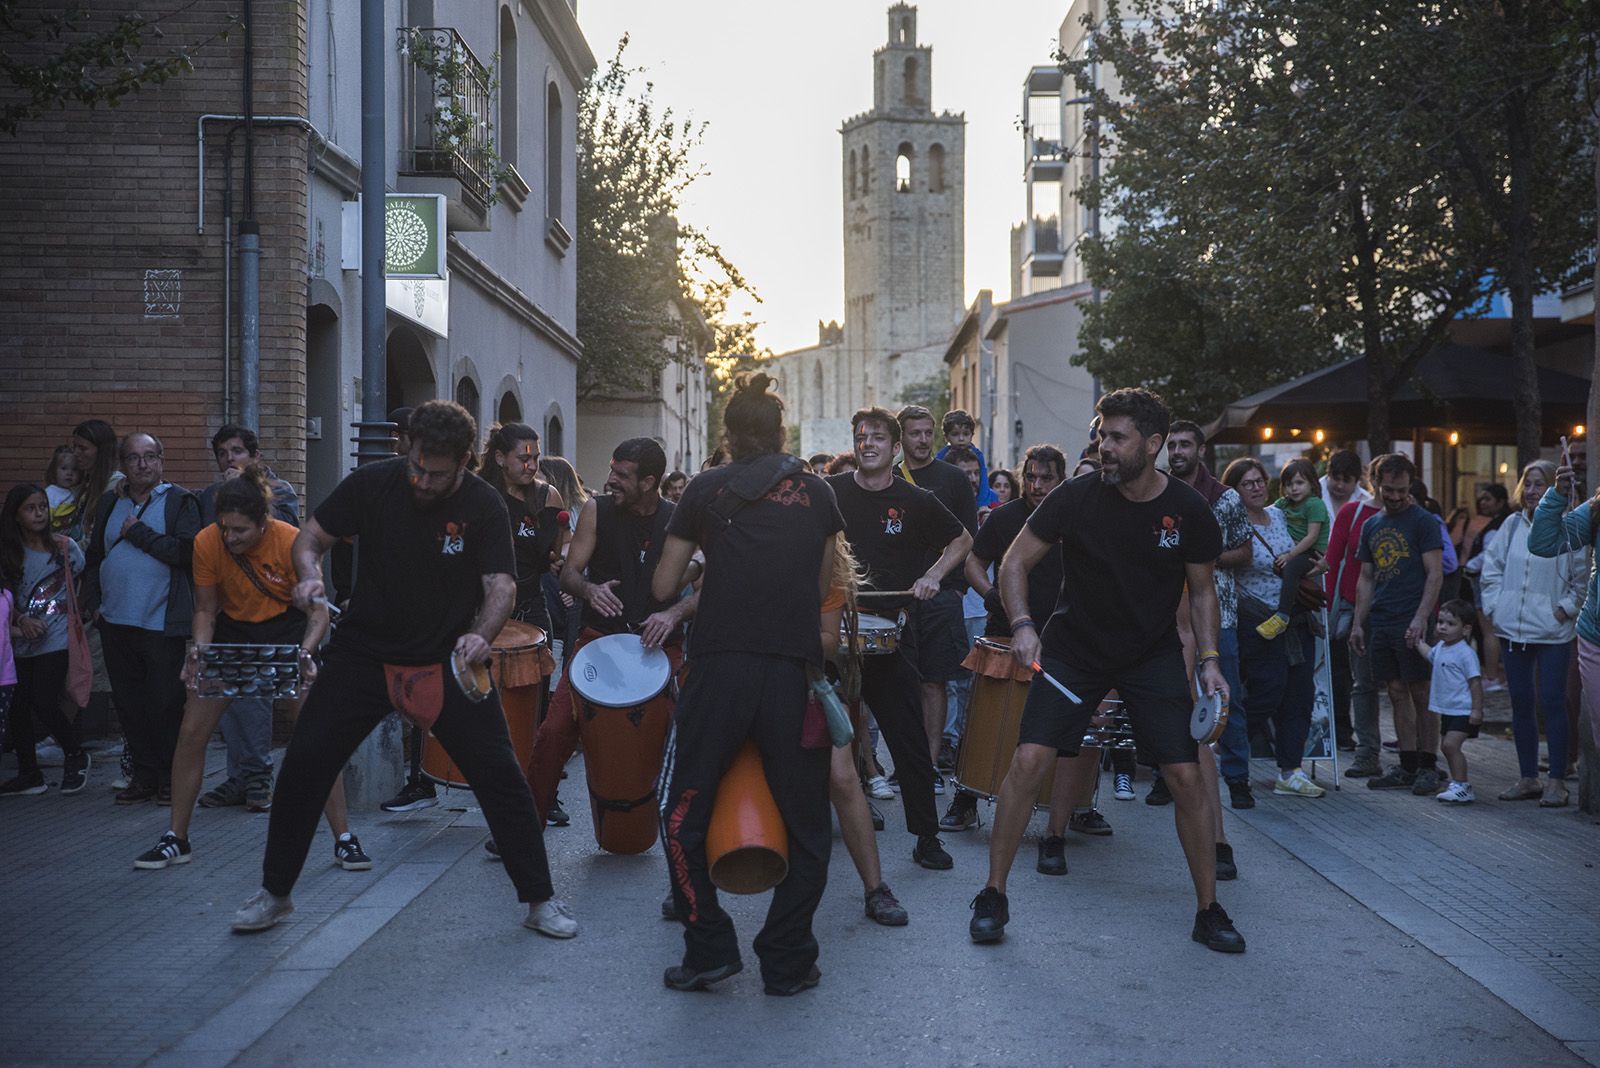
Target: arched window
902,167
905,30
552,152
510,409
852,174
467,397
554,443
866,170
936,169
910,90
506,130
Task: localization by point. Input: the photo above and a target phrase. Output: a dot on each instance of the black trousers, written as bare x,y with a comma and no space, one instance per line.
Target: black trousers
348,700
892,688
729,698
40,680
144,666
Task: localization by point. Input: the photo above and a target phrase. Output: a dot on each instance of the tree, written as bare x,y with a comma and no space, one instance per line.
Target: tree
1269,196
635,255
49,59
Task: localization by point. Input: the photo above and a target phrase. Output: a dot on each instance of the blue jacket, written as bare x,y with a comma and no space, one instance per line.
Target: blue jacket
986,495
1556,531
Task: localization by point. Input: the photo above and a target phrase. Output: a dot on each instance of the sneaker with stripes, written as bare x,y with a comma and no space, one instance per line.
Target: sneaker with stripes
169,850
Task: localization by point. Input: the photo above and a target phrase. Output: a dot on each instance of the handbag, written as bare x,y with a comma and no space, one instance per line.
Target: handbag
80,665
1309,594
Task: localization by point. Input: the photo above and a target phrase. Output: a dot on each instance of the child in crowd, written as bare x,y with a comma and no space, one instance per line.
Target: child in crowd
1457,691
63,486
1301,505
959,429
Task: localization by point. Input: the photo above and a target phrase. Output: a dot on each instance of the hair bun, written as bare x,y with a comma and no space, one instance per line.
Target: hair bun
756,383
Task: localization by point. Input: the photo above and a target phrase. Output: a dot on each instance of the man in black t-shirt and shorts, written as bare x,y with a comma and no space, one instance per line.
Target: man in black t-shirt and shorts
768,529
1130,538
907,541
434,581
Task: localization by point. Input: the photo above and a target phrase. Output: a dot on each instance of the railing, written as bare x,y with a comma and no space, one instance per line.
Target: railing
446,116
1043,237
1044,141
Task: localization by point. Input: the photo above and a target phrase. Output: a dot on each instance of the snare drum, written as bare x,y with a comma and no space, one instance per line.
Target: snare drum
519,660
619,691
875,635
994,718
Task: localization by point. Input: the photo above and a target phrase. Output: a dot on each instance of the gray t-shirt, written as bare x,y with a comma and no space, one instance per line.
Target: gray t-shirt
1393,545
42,576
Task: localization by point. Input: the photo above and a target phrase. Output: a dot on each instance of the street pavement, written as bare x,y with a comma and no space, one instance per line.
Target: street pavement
1383,929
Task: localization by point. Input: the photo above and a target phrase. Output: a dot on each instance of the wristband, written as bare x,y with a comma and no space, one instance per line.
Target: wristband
1209,654
1022,621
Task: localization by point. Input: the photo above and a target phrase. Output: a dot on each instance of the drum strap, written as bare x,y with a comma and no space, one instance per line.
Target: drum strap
610,805
754,483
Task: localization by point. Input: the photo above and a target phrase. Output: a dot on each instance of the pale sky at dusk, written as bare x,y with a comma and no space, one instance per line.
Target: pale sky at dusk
775,81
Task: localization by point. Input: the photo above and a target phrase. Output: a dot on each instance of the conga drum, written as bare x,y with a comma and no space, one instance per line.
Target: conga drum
747,845
619,691
994,718
519,661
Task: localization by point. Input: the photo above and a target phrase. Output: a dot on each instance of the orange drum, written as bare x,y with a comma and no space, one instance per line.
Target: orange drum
624,710
747,845
994,717
519,661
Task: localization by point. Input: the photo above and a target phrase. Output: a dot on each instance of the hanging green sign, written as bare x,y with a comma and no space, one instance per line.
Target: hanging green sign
414,236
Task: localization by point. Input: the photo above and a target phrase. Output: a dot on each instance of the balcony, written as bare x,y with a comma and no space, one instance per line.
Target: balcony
1042,255
1044,156
446,124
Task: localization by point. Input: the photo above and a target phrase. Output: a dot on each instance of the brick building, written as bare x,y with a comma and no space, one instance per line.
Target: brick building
116,296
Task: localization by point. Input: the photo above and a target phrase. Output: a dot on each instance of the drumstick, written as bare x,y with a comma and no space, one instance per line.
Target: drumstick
1051,679
866,594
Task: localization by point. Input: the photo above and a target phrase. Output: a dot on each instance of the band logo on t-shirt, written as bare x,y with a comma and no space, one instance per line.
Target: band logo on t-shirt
893,521
1167,536
527,527
1389,549
454,539
789,492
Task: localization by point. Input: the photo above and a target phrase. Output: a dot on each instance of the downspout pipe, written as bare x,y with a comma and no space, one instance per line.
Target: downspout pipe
249,252
375,435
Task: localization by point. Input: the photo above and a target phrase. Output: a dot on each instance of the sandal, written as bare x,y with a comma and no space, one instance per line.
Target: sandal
1523,790
1555,795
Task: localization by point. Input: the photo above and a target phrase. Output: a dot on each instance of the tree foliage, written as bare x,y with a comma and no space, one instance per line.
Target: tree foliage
52,58
636,256
1282,197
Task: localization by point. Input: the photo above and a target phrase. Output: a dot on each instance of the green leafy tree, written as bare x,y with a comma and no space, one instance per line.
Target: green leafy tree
51,57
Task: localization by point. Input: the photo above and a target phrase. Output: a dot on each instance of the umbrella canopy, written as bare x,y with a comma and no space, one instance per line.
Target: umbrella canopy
1455,387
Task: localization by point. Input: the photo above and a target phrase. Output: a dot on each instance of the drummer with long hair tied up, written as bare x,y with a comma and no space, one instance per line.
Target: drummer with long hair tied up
768,529
511,465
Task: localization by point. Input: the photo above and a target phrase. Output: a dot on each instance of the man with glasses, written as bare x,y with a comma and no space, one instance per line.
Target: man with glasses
137,580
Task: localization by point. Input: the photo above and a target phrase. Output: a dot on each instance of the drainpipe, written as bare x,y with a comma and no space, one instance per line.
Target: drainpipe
375,435
249,254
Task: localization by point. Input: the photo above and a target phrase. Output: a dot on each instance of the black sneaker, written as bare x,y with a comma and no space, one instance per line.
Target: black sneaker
75,772
883,907
1227,870
348,854
798,986
164,795
947,756
1393,779
930,853
170,849
962,813
558,816
1239,795
492,848
412,796
990,914
1089,822
680,978
669,911
28,784
1159,794
1214,930
1052,856
226,794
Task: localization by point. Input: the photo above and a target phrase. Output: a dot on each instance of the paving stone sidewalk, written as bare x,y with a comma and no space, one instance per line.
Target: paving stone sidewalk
105,964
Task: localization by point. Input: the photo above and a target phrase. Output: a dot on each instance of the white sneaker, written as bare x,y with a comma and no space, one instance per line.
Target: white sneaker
1459,793
1124,786
878,788
1297,785
262,911
551,918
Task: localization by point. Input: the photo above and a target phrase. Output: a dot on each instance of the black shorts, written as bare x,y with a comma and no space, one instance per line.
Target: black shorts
1155,693
1392,660
286,628
937,637
1459,724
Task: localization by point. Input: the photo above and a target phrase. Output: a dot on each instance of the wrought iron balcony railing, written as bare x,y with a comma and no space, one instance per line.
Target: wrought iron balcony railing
446,116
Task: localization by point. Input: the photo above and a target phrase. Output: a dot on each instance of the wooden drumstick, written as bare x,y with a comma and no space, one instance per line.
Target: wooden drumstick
870,594
1052,680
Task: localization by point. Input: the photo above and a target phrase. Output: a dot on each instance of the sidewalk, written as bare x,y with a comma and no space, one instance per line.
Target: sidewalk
1505,891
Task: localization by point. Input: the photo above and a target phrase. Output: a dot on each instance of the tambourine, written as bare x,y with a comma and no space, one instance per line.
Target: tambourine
1209,718
473,679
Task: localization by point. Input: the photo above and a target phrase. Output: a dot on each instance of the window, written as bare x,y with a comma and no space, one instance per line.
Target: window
552,152
510,410
467,397
909,92
902,167
506,132
553,442
852,174
905,29
866,170
936,169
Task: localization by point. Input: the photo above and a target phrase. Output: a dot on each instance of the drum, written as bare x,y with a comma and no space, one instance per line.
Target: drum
619,692
994,716
519,660
747,845
1209,718
875,635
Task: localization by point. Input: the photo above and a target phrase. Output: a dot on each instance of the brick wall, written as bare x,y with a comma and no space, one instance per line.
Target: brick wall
111,305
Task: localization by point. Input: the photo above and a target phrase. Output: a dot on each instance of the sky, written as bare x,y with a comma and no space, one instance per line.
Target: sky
775,81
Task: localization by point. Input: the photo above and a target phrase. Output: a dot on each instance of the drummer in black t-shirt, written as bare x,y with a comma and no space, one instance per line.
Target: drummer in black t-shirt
1130,538
769,563
511,465
433,583
907,541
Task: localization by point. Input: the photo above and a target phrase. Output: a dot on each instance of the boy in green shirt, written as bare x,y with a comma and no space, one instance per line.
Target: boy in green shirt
1308,522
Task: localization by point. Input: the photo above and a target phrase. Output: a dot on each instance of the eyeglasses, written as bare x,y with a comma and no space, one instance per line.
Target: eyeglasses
143,459
1252,483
